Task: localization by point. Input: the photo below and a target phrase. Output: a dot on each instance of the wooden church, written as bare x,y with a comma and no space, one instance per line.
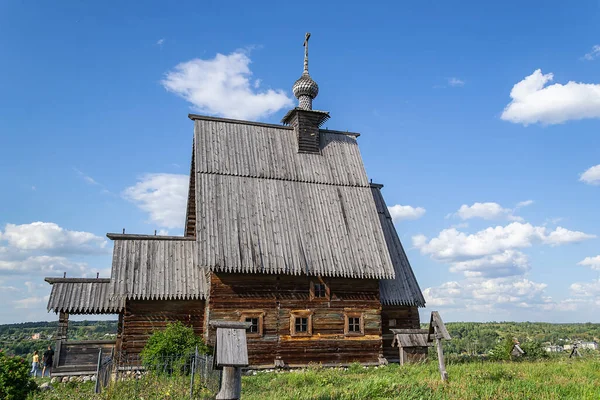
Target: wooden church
283,230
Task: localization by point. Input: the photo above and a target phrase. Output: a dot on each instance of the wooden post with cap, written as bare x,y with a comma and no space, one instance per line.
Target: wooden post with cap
438,331
231,352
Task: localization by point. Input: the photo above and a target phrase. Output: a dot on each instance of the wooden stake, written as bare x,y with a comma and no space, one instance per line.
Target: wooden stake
440,352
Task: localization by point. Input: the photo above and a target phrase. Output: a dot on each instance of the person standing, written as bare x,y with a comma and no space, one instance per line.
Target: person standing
35,364
48,358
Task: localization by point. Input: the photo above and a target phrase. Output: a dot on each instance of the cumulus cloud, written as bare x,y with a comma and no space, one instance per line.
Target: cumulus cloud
453,245
586,289
591,176
49,236
593,54
223,86
162,196
507,263
487,295
534,102
487,211
400,213
592,262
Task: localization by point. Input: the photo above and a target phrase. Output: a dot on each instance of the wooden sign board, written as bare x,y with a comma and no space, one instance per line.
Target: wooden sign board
231,348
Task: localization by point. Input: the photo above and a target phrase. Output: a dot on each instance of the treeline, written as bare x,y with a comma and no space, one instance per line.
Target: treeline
480,338
22,339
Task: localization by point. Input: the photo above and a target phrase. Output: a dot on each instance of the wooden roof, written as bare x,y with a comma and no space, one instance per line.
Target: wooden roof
403,289
83,296
263,207
157,268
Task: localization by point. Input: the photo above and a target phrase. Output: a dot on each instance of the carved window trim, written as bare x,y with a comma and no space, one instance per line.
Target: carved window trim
354,314
314,293
301,314
259,314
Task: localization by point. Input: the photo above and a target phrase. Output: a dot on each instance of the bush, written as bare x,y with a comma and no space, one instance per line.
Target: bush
172,346
501,352
15,382
534,350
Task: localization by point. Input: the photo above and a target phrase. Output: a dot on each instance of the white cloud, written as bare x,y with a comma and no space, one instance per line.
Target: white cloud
160,42
455,82
591,176
593,54
443,295
534,102
453,245
51,237
592,262
507,263
45,264
31,302
162,196
588,290
486,211
561,236
489,295
222,86
400,213
525,203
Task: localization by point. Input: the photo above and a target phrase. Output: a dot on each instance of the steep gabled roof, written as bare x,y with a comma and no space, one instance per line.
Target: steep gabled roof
263,207
403,289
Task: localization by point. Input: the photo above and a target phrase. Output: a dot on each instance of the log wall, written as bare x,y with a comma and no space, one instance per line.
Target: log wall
406,317
278,296
143,317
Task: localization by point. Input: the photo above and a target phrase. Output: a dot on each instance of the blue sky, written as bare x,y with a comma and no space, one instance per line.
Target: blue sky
94,135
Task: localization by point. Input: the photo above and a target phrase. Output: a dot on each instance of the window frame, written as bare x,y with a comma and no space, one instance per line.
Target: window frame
301,314
354,314
313,297
259,314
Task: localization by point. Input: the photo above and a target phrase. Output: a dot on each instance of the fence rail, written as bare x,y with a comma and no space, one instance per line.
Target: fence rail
199,368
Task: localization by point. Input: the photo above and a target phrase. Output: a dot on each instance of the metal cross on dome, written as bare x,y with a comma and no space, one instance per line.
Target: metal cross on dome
306,52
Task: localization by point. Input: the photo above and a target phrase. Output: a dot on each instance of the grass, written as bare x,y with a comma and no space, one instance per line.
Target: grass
553,379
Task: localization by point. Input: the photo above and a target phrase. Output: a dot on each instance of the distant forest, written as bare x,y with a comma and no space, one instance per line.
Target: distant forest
467,337
22,339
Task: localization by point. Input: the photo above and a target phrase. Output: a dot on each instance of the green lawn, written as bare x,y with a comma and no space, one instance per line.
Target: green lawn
558,378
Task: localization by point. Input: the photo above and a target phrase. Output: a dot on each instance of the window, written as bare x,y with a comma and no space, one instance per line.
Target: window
255,317
301,323
392,322
354,324
319,290
253,325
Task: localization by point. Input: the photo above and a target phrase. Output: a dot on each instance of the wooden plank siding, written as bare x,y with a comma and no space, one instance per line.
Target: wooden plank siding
278,296
406,317
143,317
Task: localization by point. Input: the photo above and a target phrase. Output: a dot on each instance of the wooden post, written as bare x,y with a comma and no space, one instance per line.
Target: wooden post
97,387
231,353
437,330
440,352
194,365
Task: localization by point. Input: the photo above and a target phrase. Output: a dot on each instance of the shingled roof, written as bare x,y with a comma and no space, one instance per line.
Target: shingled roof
83,296
404,289
264,207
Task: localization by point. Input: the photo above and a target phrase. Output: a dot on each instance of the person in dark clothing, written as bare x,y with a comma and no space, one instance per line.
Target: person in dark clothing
48,359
